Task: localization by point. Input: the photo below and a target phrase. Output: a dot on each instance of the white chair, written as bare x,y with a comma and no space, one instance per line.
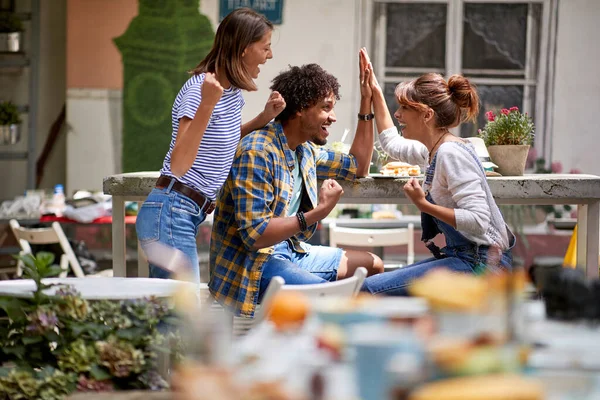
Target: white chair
363,237
348,287
53,234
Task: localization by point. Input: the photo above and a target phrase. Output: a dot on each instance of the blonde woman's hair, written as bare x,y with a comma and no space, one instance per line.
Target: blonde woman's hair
453,102
239,29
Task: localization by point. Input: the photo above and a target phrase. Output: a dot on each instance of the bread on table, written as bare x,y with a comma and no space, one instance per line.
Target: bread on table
487,387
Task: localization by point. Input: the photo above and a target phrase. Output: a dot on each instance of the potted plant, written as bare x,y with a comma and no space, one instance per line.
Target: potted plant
11,29
10,123
508,136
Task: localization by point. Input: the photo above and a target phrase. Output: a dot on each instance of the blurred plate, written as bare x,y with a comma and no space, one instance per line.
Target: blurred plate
395,177
345,311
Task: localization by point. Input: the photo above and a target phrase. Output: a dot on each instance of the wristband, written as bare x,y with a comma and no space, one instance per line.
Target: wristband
301,220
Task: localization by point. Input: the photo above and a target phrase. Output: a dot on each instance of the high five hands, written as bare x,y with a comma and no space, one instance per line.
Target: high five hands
367,75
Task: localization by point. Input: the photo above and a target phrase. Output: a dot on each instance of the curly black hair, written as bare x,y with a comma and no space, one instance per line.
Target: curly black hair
303,87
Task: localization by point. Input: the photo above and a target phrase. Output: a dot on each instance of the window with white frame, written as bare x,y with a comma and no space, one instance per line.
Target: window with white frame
502,46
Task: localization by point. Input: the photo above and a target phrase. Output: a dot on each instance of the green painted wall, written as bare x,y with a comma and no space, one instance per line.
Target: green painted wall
166,39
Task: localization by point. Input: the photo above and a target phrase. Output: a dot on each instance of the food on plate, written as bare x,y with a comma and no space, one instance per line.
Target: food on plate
448,290
288,310
399,168
489,387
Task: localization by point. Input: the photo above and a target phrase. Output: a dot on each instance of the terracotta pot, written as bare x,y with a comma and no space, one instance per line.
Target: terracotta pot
510,159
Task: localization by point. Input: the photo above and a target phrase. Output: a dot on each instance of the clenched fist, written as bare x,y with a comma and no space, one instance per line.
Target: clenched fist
275,105
211,89
330,194
414,192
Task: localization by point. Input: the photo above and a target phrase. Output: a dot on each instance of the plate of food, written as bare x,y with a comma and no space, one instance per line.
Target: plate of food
399,169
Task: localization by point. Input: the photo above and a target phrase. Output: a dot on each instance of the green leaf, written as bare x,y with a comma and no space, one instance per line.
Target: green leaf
99,373
52,336
27,259
27,340
18,351
44,258
131,333
13,308
54,270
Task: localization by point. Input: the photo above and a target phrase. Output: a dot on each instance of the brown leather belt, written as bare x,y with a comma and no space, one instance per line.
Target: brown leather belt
205,205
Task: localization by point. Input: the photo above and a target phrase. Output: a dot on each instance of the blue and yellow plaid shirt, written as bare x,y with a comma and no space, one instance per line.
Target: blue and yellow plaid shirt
259,187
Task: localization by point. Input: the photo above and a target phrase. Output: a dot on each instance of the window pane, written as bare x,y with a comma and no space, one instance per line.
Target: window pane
495,35
390,99
416,35
493,98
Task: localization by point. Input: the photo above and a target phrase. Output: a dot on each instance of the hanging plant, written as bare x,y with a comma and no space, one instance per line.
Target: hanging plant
9,114
10,23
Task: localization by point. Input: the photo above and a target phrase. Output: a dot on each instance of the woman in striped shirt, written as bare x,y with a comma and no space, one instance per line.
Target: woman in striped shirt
207,126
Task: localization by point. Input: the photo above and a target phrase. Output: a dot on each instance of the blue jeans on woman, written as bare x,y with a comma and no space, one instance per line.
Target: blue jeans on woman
172,219
459,255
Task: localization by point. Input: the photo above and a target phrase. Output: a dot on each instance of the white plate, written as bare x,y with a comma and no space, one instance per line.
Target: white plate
98,288
395,177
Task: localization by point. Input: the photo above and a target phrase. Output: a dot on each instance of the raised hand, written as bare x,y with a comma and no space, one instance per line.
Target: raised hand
372,79
364,74
274,106
414,192
330,194
211,89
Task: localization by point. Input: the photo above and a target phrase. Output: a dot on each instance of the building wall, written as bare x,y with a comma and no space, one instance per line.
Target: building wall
94,102
321,31
94,83
14,85
576,139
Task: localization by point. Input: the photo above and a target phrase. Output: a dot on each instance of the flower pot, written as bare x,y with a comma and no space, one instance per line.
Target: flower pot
10,42
511,159
10,134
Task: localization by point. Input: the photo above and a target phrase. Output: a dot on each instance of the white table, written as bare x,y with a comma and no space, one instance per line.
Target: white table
99,288
540,189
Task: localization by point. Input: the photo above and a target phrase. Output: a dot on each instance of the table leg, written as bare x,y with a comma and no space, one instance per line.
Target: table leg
118,237
588,238
143,268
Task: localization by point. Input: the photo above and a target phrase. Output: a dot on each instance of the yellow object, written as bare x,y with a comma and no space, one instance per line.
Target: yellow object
488,387
448,290
288,310
570,259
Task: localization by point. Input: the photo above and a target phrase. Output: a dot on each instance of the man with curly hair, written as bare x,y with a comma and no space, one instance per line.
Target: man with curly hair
270,204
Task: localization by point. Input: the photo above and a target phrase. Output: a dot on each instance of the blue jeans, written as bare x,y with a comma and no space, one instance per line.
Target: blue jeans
319,264
172,219
459,259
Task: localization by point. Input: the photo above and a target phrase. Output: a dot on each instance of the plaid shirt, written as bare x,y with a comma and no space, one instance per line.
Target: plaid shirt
259,188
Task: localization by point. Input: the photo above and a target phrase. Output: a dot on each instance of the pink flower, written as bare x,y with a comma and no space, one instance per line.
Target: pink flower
514,108
505,111
575,171
490,116
556,167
